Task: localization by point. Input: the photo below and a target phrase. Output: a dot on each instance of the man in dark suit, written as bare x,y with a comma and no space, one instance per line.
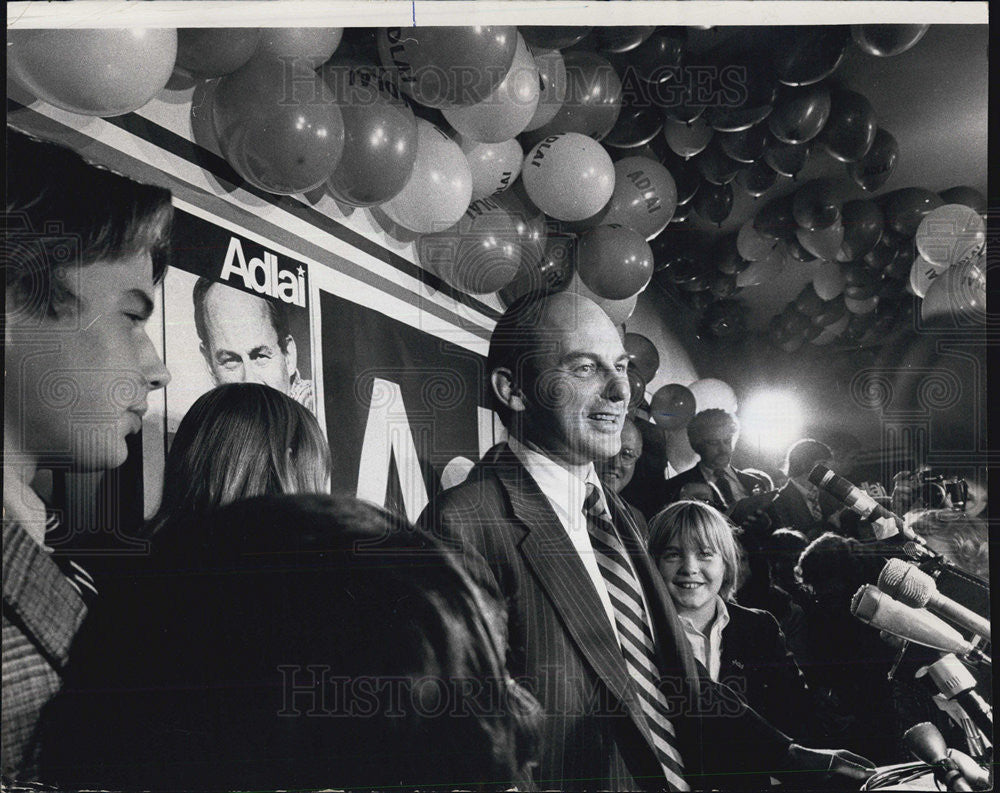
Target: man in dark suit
713,434
617,471
591,629
798,504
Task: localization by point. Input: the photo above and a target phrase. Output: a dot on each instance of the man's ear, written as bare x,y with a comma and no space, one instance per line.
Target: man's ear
506,390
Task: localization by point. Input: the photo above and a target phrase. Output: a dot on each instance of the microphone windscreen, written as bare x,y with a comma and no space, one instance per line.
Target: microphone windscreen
818,474
926,743
951,676
908,584
864,604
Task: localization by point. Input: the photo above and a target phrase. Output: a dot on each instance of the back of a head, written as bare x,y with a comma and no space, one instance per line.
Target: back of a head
831,564
314,641
238,441
62,212
803,455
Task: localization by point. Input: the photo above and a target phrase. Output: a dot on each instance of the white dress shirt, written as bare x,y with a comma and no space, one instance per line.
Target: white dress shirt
566,493
707,646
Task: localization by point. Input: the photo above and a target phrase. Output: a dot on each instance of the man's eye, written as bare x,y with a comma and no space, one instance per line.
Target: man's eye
584,368
621,368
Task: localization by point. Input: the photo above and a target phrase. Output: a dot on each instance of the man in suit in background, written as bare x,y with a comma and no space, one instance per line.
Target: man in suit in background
617,471
591,630
713,434
798,505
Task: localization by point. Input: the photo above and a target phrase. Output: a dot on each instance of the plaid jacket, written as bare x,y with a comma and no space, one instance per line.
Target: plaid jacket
42,612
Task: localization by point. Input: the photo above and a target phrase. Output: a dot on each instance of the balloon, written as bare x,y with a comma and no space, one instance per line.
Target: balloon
728,259
823,243
281,138
902,263
439,189
636,388
874,169
833,331
775,218
724,285
569,176
380,136
922,273
850,130
882,256
93,72
786,159
759,87
757,179
478,255
214,52
494,166
615,262
552,82
715,166
861,305
711,393
863,223
687,139
814,205
508,108
829,280
529,222
763,270
861,282
905,208
643,355
644,198
800,113
833,311
310,46
796,253
967,196
858,325
752,245
636,126
951,234
553,37
440,66
617,310
714,202
887,40
959,295
686,177
623,38
690,275
658,61
809,302
593,98
672,407
805,55
552,273
746,146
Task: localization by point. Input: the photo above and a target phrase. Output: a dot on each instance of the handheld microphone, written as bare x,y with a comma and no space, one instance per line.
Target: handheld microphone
873,606
857,500
957,683
926,743
913,587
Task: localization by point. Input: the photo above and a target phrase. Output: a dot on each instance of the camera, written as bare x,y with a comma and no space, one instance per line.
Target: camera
937,490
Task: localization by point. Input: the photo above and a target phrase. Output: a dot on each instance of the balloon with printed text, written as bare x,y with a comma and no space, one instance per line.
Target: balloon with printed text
874,169
644,197
569,176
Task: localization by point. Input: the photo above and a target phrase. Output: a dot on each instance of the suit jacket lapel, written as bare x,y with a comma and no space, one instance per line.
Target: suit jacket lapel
553,559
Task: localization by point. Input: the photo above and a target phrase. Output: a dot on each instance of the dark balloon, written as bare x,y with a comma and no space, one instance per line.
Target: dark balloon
746,146
850,130
593,99
715,166
862,282
808,302
786,159
690,275
874,169
214,52
552,274
797,252
686,177
887,40
682,214
636,386
804,55
621,38
793,321
672,406
800,113
862,228
757,179
882,254
966,196
658,61
776,218
905,208
723,285
814,205
613,261
754,99
636,126
643,355
858,326
832,311
727,258
714,202
552,38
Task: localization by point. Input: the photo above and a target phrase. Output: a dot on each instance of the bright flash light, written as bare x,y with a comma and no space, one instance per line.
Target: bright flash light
771,421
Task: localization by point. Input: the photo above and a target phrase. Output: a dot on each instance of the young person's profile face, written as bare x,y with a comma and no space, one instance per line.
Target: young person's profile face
79,380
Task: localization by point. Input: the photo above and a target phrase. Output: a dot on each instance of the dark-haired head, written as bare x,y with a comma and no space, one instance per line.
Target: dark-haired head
62,212
238,441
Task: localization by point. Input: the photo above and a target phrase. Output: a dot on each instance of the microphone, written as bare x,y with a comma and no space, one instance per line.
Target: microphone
957,683
873,606
926,743
885,523
913,587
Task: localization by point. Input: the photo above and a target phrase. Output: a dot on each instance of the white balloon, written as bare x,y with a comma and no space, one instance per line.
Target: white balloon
553,83
922,273
763,270
829,280
833,331
950,234
710,392
494,166
959,294
752,245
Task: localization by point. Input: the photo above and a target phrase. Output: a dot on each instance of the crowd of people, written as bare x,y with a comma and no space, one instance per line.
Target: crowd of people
533,630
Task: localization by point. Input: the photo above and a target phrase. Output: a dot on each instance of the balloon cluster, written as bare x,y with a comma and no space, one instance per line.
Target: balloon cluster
876,255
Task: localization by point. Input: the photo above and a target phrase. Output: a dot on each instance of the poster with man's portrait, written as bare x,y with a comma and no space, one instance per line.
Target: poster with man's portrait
235,312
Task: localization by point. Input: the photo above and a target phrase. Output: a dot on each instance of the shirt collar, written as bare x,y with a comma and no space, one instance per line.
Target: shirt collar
802,489
558,485
718,623
709,473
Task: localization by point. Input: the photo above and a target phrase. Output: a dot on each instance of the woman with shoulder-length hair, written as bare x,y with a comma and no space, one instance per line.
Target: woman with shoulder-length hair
238,441
696,551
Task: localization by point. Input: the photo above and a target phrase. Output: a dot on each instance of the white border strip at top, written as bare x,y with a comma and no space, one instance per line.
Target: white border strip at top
350,289
321,13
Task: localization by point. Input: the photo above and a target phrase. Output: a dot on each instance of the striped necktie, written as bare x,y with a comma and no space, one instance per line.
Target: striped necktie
79,579
634,634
